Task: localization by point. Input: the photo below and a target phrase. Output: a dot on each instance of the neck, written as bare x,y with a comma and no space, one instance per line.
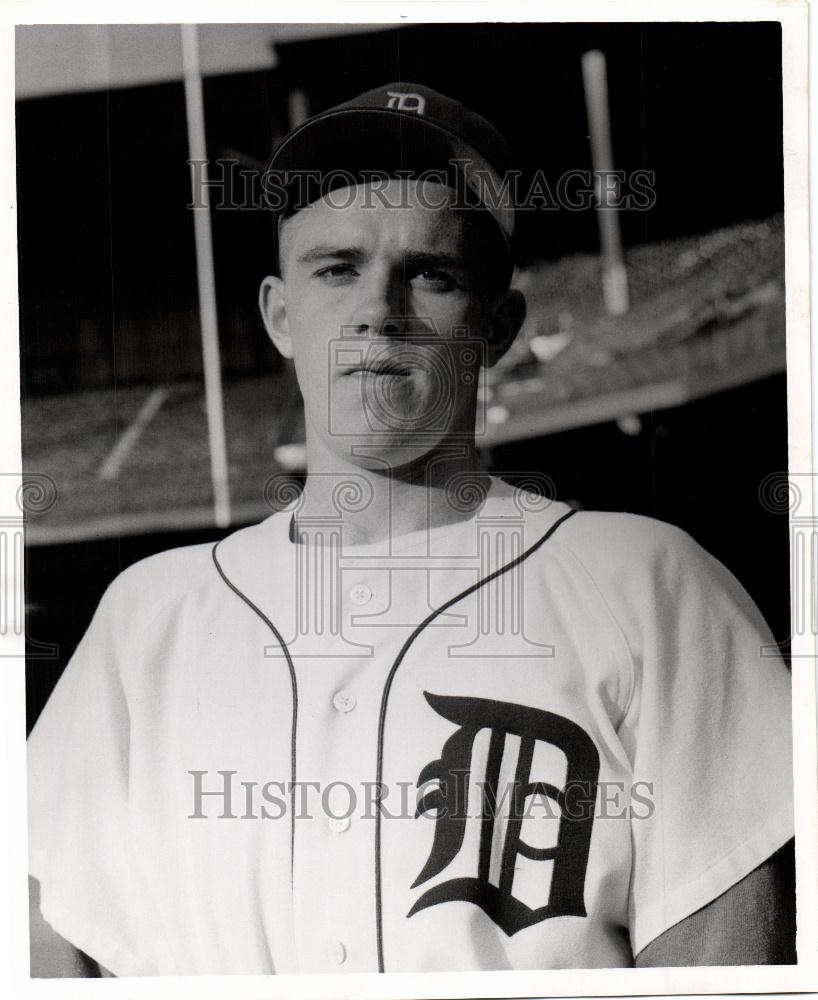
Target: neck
376,500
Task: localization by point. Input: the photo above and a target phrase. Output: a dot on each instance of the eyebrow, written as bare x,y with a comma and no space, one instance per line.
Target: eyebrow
413,259
326,251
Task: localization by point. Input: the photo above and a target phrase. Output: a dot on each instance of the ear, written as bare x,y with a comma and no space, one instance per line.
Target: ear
506,321
274,314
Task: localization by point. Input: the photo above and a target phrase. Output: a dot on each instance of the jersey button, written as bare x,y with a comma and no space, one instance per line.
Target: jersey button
360,594
338,952
344,701
339,824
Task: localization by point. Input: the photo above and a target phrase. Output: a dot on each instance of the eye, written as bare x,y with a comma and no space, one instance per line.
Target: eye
434,280
336,274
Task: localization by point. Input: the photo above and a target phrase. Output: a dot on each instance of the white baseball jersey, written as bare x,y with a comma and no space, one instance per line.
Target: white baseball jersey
577,727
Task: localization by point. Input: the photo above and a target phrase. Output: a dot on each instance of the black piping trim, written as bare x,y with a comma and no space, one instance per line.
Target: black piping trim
283,645
385,697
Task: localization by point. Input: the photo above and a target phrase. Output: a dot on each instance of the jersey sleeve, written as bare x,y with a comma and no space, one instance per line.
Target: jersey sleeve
79,849
708,732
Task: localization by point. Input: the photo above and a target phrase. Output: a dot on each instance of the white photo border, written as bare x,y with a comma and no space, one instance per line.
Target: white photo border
793,17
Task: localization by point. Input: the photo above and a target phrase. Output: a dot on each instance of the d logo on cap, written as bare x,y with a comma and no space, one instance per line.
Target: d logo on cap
406,102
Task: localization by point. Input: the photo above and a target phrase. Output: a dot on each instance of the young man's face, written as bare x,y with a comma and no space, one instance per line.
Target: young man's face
384,306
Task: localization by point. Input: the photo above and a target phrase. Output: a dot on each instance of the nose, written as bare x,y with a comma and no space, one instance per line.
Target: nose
382,307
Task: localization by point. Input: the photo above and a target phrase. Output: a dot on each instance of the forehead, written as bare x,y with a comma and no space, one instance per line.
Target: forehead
405,214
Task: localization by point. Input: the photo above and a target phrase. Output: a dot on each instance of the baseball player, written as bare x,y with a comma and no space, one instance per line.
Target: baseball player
417,719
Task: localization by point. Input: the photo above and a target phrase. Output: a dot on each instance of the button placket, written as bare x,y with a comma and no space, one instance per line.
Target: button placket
332,753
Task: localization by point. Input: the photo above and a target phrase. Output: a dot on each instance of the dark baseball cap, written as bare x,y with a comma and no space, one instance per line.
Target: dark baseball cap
407,127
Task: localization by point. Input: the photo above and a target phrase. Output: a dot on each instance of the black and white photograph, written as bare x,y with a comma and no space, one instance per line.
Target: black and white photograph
420,572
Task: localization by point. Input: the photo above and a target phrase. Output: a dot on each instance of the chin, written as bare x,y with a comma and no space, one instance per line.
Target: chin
385,452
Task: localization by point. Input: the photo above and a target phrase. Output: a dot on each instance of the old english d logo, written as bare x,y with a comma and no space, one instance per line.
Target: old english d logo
452,772
406,101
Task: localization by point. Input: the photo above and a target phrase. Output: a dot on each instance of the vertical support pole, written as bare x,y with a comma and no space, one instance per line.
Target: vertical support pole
614,276
298,107
206,277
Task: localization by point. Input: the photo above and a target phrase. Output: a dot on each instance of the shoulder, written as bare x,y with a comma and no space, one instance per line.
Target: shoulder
162,577
614,543
627,554
646,569
641,565
160,584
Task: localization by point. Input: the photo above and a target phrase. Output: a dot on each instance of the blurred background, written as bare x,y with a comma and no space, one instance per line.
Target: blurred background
672,404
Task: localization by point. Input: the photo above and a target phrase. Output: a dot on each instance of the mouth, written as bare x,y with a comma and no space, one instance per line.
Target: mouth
392,368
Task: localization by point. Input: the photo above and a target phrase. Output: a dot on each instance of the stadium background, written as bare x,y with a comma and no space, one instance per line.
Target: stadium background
676,410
